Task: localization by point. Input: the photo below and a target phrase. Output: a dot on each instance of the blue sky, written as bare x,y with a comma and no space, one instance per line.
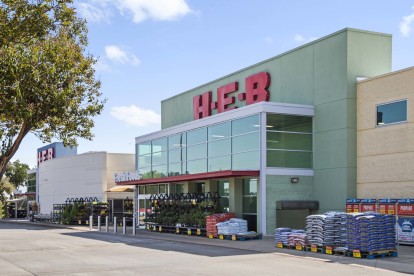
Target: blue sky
150,50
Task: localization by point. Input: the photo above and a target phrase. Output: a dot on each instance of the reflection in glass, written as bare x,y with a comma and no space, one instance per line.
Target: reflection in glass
219,131
197,166
291,123
144,148
290,141
159,171
245,125
246,142
176,169
395,112
250,205
250,186
159,158
177,141
220,147
145,172
197,151
197,136
221,163
159,144
177,155
247,160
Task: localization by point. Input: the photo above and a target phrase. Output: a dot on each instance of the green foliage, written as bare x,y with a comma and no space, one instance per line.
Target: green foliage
47,81
16,172
66,217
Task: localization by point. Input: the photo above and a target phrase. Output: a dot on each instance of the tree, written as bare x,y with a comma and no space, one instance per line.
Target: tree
16,173
47,80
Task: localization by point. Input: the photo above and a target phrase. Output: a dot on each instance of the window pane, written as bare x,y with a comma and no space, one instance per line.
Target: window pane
219,131
159,144
222,163
289,123
177,155
392,113
197,152
177,141
291,141
198,166
247,160
223,188
220,147
151,189
246,142
197,136
289,159
145,173
249,186
250,204
159,171
144,160
163,188
177,188
159,158
245,125
144,148
141,190
176,169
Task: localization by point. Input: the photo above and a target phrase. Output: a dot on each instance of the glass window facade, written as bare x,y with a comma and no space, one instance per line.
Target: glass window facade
289,141
231,145
224,146
391,113
31,182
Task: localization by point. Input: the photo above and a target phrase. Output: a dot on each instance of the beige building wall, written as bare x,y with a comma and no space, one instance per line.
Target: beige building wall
385,155
89,174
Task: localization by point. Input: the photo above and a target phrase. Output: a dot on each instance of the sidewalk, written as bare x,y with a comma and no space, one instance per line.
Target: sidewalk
403,263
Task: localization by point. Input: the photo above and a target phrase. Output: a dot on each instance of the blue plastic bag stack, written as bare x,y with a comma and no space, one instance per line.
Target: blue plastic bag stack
335,229
282,235
315,229
370,232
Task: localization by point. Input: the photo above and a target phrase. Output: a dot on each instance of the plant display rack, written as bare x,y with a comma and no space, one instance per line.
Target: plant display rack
77,211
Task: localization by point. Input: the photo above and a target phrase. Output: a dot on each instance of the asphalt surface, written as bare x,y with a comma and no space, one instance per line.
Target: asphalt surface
178,248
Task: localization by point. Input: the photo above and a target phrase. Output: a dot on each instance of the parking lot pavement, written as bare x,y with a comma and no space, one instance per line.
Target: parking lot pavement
403,263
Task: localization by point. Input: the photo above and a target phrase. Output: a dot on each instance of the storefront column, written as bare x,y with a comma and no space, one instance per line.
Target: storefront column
210,186
236,196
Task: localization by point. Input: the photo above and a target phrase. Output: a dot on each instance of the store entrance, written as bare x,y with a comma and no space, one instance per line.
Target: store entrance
144,209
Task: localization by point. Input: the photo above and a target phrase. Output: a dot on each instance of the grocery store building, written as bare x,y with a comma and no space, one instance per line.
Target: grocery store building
277,139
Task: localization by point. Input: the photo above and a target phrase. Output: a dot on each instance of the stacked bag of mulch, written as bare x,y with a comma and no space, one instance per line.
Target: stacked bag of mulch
370,232
233,226
335,229
212,220
282,235
315,229
297,237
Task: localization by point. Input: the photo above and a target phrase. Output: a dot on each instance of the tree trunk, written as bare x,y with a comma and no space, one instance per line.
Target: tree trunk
5,159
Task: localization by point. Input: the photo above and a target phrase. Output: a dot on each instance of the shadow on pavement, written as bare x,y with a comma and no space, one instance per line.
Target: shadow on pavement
164,245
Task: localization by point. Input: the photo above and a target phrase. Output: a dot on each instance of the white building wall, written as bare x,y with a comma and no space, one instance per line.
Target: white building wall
82,175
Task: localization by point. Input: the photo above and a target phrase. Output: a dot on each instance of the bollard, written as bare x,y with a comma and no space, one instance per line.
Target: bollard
115,226
124,225
134,230
90,222
99,223
106,223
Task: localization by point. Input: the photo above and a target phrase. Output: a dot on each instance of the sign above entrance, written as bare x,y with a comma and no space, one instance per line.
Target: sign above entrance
256,91
127,176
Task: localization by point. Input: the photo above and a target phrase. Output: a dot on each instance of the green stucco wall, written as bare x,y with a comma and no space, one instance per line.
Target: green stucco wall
280,188
323,74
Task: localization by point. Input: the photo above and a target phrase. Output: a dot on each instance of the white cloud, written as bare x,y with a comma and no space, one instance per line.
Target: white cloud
151,9
120,56
94,12
405,24
139,10
136,116
301,39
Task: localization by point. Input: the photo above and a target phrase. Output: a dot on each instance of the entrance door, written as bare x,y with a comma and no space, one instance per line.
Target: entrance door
144,209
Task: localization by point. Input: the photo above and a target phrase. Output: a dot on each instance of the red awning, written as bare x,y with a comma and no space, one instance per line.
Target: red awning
192,177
